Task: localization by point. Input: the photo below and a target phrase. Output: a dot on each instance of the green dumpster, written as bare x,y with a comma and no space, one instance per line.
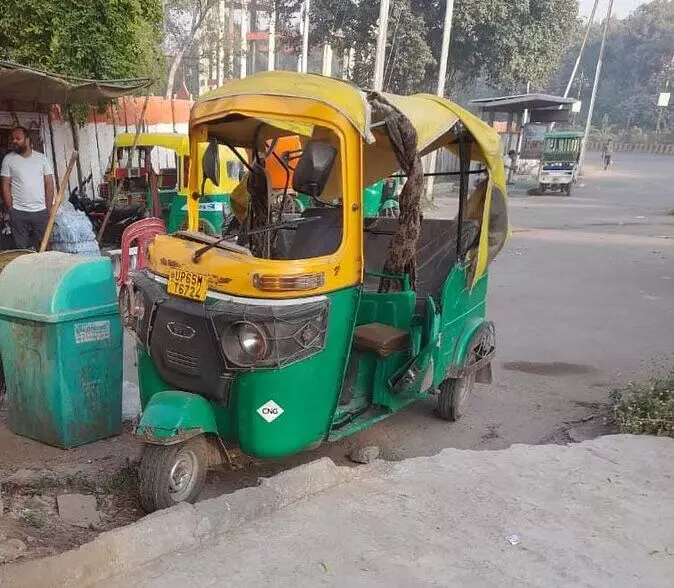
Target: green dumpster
61,348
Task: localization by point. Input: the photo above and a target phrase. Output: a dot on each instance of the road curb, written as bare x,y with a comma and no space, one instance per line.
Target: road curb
182,527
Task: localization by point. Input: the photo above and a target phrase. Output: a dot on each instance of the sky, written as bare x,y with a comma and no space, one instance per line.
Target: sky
621,8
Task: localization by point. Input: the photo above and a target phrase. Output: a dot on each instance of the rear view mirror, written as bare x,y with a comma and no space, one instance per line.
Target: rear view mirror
211,163
314,168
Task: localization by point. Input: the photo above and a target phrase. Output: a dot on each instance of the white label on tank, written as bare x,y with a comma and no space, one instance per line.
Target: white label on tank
207,207
270,411
93,331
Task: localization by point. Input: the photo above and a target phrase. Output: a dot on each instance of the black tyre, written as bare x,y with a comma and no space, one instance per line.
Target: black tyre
543,188
170,474
569,189
454,393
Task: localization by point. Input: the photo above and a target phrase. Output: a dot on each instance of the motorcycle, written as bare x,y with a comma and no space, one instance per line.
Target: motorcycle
97,208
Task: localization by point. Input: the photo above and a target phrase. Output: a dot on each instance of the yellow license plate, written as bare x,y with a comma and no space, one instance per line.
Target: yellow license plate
187,284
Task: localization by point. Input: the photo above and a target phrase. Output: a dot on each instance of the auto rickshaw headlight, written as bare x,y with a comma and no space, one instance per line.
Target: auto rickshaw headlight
252,340
245,343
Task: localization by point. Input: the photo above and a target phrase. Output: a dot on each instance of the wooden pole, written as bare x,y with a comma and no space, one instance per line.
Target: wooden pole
57,202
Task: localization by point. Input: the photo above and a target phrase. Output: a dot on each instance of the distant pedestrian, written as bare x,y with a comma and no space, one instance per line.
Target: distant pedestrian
27,190
511,165
607,153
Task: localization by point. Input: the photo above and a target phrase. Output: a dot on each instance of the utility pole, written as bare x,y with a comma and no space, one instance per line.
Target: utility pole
582,49
244,39
327,60
597,74
271,43
380,55
303,63
442,76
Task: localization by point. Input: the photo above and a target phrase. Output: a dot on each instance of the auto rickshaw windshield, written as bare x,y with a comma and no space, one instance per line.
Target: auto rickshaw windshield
264,217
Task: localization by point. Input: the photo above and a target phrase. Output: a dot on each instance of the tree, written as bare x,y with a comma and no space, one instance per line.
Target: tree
637,66
94,39
183,24
502,43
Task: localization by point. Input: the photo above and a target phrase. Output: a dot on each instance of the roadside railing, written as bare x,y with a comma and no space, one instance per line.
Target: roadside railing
634,148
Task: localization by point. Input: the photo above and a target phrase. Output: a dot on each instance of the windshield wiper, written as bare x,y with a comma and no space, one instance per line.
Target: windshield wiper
196,256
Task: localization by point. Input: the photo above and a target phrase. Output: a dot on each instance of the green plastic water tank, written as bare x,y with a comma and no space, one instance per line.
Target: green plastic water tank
61,348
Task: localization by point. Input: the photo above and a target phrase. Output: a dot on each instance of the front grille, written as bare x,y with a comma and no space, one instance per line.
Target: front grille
181,362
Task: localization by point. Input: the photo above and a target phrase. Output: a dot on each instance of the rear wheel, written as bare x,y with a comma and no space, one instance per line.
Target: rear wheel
454,393
170,474
543,188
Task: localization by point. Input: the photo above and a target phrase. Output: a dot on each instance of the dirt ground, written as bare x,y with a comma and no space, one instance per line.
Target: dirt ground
583,300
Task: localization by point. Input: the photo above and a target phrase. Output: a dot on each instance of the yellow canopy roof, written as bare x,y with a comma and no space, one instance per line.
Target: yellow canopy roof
178,142
342,96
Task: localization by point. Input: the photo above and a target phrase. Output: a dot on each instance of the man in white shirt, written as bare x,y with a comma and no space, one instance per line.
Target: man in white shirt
27,190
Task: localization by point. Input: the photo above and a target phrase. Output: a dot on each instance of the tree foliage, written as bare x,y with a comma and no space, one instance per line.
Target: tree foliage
503,43
638,65
83,38
183,25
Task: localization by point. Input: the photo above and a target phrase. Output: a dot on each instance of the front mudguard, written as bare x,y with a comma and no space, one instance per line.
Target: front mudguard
474,350
174,416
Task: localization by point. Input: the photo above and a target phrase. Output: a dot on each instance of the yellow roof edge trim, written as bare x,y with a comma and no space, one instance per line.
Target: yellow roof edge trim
337,94
174,141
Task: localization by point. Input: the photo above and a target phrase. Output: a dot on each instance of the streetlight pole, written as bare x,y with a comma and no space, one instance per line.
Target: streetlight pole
442,77
304,59
271,44
582,49
597,74
380,55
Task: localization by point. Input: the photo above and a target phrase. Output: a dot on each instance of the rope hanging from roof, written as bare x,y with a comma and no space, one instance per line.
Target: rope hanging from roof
401,255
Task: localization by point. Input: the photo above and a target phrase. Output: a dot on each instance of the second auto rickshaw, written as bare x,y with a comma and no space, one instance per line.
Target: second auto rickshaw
559,161
297,329
170,154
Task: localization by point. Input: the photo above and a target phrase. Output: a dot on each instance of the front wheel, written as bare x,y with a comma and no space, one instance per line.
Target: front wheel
543,188
454,393
569,188
170,474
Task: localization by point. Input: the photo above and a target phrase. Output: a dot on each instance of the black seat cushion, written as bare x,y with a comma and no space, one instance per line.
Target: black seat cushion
319,236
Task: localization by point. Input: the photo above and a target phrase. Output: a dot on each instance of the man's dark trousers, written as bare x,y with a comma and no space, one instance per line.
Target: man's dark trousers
28,227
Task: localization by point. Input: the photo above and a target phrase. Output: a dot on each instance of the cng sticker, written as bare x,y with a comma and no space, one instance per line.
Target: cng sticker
270,411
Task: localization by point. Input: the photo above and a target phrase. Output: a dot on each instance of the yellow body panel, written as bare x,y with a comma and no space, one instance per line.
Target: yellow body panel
234,273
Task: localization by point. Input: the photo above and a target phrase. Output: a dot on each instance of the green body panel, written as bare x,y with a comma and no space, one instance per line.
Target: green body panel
463,311
392,308
61,348
172,416
372,204
307,391
212,210
372,199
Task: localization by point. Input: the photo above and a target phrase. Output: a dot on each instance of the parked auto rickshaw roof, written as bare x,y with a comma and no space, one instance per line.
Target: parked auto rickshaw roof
178,142
564,135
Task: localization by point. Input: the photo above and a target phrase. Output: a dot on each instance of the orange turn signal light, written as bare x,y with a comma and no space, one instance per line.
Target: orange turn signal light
289,283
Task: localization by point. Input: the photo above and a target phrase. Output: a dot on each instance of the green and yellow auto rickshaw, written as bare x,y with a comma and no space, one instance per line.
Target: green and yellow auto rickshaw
558,167
170,154
294,330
